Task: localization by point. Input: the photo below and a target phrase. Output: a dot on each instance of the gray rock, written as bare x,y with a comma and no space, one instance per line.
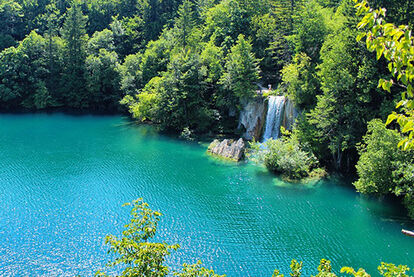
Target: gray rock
289,115
229,149
253,117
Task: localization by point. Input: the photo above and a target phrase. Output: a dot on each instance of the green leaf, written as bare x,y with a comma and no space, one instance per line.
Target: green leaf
391,118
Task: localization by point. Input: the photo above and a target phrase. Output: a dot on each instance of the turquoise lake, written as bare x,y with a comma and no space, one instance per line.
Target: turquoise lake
64,178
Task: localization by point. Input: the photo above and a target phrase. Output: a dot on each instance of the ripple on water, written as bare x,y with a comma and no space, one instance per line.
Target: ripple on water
64,178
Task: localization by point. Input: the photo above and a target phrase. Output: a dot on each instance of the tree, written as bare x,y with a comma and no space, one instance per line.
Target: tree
131,74
264,27
349,99
102,81
11,14
136,252
241,70
396,44
310,30
101,40
184,23
382,167
54,50
23,72
300,80
226,21
73,78
144,105
156,56
182,94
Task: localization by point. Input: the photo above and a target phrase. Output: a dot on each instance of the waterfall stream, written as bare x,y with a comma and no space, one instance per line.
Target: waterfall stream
274,117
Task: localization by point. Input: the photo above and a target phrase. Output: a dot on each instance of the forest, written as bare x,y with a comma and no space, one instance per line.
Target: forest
190,66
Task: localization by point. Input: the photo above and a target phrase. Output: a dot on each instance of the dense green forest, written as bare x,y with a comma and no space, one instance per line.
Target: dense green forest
191,66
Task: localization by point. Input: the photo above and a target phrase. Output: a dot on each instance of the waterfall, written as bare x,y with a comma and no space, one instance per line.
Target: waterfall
274,117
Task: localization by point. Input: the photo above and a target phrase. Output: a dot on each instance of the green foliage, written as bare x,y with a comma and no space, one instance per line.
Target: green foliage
196,270
211,59
73,76
182,94
396,44
135,251
11,14
225,22
156,57
310,30
382,167
325,270
377,152
144,106
346,75
350,271
296,268
242,71
137,254
264,27
23,69
285,156
102,80
391,270
131,74
300,80
184,24
101,40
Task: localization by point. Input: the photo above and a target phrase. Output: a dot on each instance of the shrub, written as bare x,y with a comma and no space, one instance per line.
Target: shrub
285,156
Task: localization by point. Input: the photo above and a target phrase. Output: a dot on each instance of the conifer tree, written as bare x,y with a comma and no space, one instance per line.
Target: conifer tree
75,38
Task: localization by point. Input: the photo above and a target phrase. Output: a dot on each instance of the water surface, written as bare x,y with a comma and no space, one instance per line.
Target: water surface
64,178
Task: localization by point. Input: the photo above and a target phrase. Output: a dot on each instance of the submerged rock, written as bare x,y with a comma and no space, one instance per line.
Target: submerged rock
228,148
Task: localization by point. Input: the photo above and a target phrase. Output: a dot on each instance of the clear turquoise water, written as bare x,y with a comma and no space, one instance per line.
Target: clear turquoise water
64,178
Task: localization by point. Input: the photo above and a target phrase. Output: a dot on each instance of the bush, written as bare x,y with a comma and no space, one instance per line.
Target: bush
285,156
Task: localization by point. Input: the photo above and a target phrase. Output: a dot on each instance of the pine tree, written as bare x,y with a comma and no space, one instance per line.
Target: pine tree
184,23
242,70
75,38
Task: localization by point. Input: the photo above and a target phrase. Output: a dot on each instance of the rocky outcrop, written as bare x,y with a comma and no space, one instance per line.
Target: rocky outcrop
289,115
252,118
228,148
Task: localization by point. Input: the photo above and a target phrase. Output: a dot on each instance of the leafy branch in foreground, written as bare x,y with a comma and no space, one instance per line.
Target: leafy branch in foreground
143,258
139,255
325,270
397,46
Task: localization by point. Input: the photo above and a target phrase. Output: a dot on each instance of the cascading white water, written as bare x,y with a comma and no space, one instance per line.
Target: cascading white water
274,117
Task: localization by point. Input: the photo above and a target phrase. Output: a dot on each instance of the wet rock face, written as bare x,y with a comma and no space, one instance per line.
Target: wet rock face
228,148
289,115
252,118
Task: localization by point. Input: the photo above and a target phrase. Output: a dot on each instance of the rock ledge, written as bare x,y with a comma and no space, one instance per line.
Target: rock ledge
228,148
